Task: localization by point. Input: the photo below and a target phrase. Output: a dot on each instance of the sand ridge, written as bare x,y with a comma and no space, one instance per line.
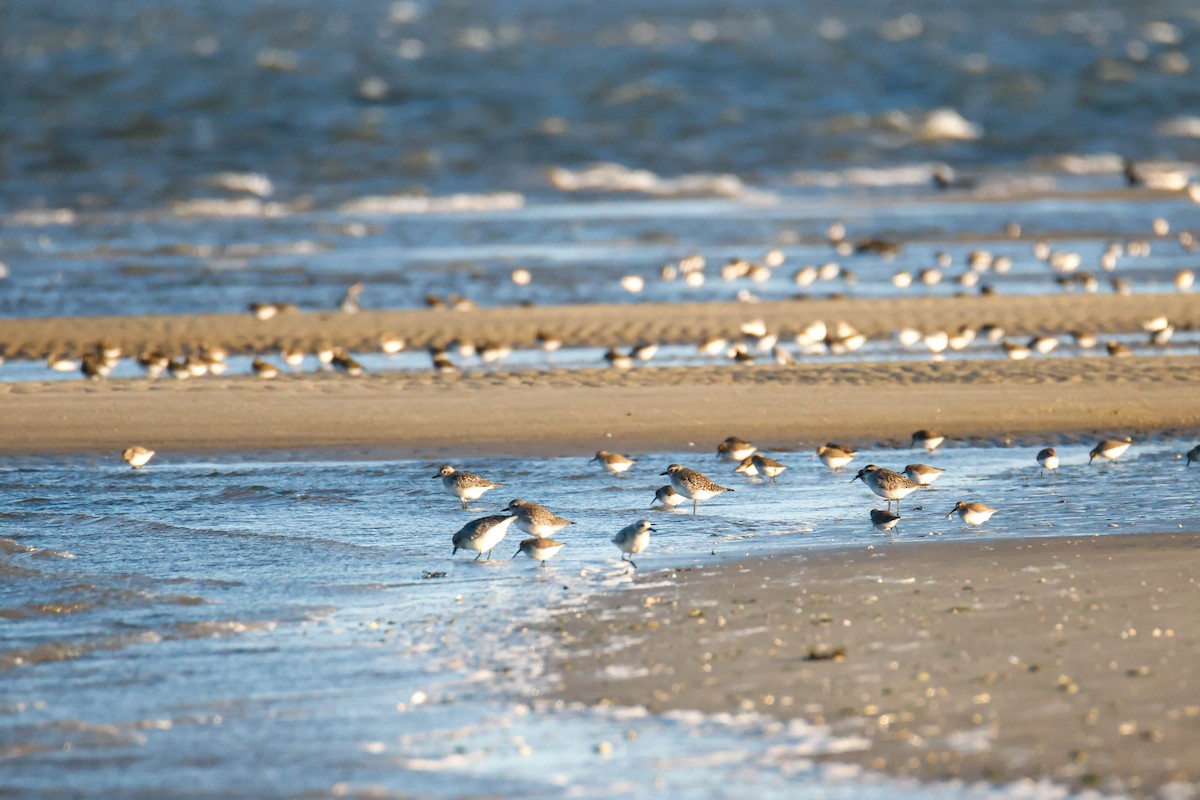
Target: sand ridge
571,412
590,325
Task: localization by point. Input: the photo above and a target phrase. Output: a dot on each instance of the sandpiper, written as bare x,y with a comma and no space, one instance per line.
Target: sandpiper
264,311
692,484
483,534
930,440
1110,449
617,359
548,341
465,486
632,539
613,462
536,520
835,456
758,464
735,450
539,549
1047,459
292,355
887,484
154,362
1192,455
137,456
923,474
346,363
972,513
264,369
883,520
351,302
671,498
391,344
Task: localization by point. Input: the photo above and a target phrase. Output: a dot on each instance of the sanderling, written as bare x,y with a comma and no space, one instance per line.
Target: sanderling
1047,459
137,456
539,549
887,484
1110,449
930,440
464,485
617,359
483,534
613,462
344,362
632,539
883,520
735,449
537,520
390,344
835,456
923,473
668,496
264,369
758,464
1193,455
548,341
154,362
972,513
692,484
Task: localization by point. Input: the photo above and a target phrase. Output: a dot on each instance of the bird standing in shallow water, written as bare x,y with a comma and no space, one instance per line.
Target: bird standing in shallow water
883,521
692,484
668,497
137,456
972,513
536,520
1110,449
835,456
613,462
923,473
632,539
930,440
539,549
1047,459
464,485
887,484
482,535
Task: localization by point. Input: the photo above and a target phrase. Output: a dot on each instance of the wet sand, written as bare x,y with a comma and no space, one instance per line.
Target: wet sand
596,325
1071,659
570,412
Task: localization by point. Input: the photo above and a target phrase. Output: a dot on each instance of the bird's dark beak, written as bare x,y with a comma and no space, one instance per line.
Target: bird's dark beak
515,554
664,473
856,477
951,514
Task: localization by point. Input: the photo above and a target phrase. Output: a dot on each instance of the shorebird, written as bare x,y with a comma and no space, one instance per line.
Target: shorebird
390,344
351,302
548,341
613,462
465,486
344,362
1110,449
1193,455
887,484
735,449
1047,459
264,311
758,464
137,456
618,360
539,549
264,369
632,539
882,520
671,498
923,473
930,440
483,534
972,513
692,484
835,456
536,520
292,355
154,362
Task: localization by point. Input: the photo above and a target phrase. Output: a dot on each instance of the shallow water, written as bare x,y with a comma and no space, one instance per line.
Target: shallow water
283,602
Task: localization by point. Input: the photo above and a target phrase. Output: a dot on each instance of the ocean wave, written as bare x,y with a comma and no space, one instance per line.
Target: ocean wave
418,204
619,178
215,207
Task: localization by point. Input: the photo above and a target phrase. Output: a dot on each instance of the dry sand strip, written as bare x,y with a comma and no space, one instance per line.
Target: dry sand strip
593,325
571,412
1072,659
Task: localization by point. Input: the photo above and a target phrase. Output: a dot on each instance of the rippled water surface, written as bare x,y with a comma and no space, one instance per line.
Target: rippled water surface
204,626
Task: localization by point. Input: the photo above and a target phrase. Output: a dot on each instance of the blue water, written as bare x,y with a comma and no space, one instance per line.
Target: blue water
203,626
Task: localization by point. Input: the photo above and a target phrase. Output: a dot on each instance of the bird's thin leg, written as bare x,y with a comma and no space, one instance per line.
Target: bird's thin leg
478,556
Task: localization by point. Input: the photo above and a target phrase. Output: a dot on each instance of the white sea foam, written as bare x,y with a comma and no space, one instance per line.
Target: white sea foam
399,204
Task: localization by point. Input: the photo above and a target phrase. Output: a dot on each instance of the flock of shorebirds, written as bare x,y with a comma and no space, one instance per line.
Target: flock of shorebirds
484,534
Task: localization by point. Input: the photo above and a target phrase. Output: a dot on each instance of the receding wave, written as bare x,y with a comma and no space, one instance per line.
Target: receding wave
419,204
619,178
